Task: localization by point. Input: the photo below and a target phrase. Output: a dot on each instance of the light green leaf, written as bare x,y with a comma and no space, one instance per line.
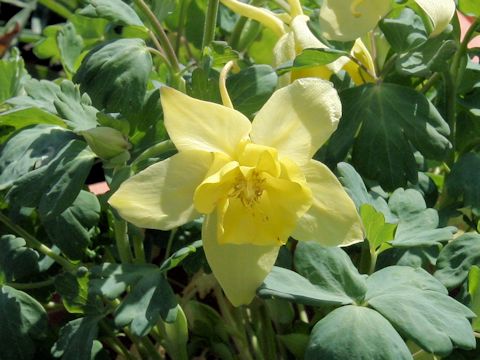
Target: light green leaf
78,221
469,7
162,8
392,118
116,11
70,45
330,269
417,225
53,187
474,291
76,339
419,307
378,232
355,333
121,64
16,260
150,299
29,149
456,259
13,75
178,256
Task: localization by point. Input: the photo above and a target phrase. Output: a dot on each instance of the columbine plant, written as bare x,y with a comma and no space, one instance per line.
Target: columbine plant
256,182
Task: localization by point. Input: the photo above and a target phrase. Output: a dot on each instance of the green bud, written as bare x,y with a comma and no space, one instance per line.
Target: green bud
107,143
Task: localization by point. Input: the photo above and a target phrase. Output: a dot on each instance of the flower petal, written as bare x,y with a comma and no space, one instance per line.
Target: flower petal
346,20
298,118
240,269
360,52
161,196
200,125
440,13
332,219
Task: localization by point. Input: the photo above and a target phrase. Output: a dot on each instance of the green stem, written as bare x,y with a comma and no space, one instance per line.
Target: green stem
56,8
237,32
35,244
365,258
114,343
451,112
181,24
168,250
121,239
462,50
210,23
160,55
32,285
430,82
139,249
154,151
160,32
373,261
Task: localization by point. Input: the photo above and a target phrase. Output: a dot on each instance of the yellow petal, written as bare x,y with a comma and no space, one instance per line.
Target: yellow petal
440,13
346,20
161,196
298,118
284,51
332,219
240,269
200,125
361,53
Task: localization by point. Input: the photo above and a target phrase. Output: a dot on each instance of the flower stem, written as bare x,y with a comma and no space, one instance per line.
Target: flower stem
121,240
154,151
36,244
56,8
160,32
32,285
210,23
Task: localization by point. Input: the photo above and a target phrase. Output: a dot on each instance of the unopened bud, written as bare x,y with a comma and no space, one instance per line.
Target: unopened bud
107,143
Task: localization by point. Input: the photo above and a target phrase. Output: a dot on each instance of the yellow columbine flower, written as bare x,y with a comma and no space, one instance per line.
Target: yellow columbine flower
295,36
347,20
255,181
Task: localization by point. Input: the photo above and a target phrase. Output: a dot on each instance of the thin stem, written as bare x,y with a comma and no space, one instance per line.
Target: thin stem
363,67
32,285
121,240
373,261
56,8
222,83
210,23
36,244
114,343
388,66
168,250
455,67
160,55
154,151
302,314
181,24
160,32
430,82
138,249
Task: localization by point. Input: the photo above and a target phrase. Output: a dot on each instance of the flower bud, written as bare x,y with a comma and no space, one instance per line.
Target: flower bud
107,143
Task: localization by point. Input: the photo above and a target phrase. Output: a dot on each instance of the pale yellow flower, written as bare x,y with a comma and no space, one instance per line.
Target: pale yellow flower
255,181
295,36
347,20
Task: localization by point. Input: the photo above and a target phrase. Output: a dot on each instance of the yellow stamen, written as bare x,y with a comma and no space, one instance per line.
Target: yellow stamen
354,7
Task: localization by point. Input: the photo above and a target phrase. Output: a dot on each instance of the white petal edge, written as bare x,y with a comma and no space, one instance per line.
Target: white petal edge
440,13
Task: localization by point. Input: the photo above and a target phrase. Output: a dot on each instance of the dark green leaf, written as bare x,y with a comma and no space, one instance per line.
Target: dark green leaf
295,343
405,32
150,299
53,187
205,322
116,11
76,339
317,57
419,307
251,88
70,46
30,149
456,259
74,291
392,118
331,269
22,319
463,183
178,256
16,260
355,333
417,225
288,285
72,229
111,68
13,74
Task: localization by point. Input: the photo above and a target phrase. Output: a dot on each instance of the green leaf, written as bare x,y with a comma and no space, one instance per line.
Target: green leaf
474,291
74,291
162,8
456,259
47,47
23,319
76,339
178,256
150,299
251,88
393,118
121,64
70,46
288,285
378,232
53,187
419,307
114,10
417,225
462,182
355,333
206,322
29,149
469,7
16,260
317,57
111,280
78,221
405,32
331,269
296,343
13,76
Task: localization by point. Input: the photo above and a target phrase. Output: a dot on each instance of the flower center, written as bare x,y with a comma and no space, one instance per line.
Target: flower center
354,7
248,188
